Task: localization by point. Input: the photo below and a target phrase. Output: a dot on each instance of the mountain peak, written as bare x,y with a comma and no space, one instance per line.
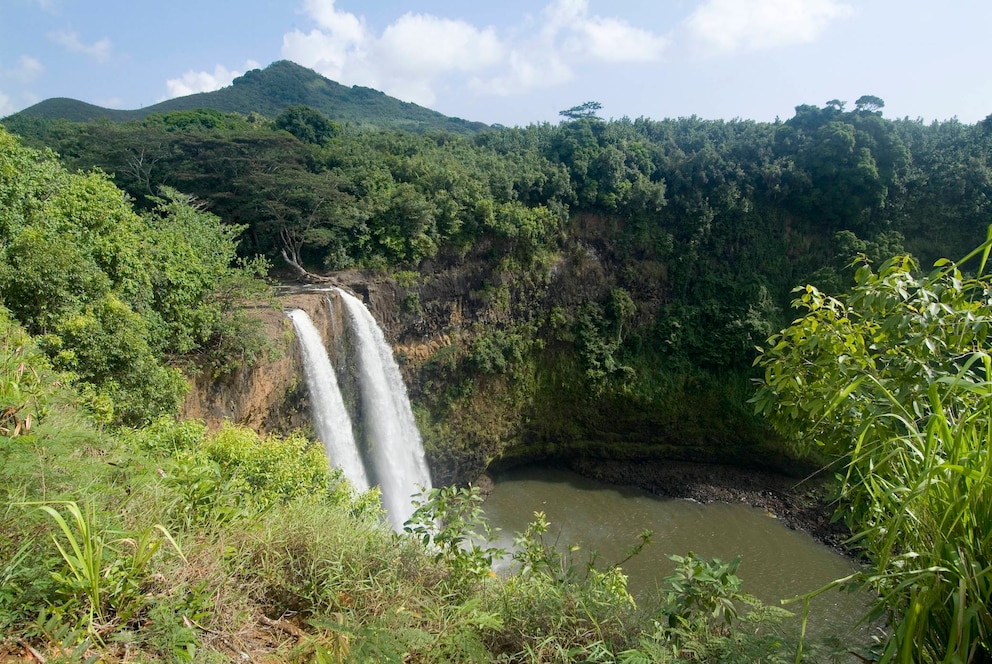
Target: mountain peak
268,92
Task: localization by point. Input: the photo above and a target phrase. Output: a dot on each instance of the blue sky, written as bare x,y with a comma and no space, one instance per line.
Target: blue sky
517,62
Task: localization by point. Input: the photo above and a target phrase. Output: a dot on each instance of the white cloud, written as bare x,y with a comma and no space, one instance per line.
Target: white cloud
337,42
406,60
341,25
425,45
598,38
525,71
418,53
612,40
6,106
568,37
100,50
726,26
323,52
203,81
26,69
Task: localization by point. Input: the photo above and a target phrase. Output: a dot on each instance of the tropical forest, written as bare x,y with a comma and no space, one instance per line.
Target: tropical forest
801,309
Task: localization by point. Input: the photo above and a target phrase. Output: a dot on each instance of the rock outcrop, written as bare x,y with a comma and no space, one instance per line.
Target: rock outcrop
271,395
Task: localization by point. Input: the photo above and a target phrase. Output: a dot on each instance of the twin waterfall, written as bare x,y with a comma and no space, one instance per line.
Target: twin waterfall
390,453
331,421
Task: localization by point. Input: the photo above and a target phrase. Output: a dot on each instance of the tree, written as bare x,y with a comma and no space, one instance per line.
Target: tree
986,124
114,297
586,111
191,260
307,124
869,104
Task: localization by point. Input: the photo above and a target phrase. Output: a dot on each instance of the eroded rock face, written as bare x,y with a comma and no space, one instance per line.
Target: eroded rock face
270,396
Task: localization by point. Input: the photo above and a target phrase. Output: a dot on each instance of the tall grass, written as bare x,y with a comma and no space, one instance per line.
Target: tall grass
894,381
924,498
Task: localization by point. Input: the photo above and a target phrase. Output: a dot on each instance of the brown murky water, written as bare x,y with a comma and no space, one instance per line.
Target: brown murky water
776,562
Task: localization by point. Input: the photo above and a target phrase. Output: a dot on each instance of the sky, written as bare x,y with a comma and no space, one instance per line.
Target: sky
518,62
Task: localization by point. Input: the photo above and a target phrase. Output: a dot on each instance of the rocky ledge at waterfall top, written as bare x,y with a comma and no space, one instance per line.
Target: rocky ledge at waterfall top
270,396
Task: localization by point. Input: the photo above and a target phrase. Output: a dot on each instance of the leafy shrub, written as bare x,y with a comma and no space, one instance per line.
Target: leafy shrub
273,467
499,351
106,347
165,436
242,466
24,391
554,609
449,522
894,381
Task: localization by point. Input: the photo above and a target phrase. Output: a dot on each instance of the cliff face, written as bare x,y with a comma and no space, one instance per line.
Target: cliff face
270,396
491,380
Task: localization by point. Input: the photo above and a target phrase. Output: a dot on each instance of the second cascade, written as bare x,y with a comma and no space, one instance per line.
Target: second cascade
390,453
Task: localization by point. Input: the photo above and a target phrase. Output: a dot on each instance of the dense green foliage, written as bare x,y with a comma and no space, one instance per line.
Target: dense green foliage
172,543
598,286
893,380
601,282
114,297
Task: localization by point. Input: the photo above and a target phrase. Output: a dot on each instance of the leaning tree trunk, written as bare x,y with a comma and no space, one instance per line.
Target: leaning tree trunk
292,243
301,273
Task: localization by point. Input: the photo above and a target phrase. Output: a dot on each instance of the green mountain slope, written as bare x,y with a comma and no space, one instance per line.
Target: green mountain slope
268,91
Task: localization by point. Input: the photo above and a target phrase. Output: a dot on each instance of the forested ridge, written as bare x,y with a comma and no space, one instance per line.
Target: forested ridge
268,92
592,288
606,280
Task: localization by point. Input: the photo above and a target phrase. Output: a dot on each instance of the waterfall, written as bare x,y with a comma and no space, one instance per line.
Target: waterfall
330,418
393,441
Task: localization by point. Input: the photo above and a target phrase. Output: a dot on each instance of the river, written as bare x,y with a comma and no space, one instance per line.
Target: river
776,562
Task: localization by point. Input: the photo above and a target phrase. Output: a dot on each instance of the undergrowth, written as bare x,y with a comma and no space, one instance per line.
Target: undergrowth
161,552
173,543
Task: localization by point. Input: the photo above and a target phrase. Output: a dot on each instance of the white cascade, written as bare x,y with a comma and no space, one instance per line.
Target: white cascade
330,417
392,438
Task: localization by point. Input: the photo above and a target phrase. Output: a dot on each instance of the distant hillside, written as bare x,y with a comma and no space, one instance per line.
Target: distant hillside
268,91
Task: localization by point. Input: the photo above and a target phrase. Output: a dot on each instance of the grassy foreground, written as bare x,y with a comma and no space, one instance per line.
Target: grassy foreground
171,543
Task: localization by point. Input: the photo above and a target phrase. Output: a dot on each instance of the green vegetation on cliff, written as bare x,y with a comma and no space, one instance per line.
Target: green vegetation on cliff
600,285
